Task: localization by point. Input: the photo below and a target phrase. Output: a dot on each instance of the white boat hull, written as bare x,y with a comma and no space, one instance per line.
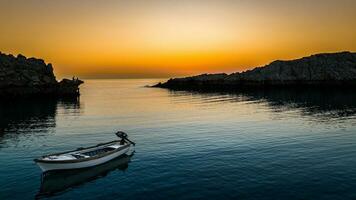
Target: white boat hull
46,166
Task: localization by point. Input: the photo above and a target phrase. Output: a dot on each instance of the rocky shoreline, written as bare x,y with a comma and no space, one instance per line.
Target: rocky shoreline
31,77
320,70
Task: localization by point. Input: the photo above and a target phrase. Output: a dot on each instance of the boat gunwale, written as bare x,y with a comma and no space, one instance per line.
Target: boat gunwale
81,149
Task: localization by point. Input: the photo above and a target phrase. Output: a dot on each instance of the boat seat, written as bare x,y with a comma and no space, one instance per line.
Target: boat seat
115,146
98,151
79,156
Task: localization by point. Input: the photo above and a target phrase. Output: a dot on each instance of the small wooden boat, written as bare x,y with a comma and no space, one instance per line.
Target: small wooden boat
54,182
87,157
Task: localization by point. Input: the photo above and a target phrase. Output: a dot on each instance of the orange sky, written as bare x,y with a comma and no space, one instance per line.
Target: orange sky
161,38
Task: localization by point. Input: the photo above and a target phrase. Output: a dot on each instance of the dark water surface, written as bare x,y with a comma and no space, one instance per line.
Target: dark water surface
250,145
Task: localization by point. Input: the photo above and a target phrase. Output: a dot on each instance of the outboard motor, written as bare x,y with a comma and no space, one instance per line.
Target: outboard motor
123,137
121,134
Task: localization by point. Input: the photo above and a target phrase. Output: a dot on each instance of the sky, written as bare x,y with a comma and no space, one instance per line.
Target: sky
165,38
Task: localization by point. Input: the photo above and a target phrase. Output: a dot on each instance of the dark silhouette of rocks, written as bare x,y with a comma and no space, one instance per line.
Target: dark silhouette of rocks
21,76
321,70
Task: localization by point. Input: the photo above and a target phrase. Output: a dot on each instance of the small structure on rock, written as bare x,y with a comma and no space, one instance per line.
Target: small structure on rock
21,76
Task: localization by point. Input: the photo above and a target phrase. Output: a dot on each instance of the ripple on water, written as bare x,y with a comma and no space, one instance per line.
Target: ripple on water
249,145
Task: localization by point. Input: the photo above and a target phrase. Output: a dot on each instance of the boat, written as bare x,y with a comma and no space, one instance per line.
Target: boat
87,157
54,182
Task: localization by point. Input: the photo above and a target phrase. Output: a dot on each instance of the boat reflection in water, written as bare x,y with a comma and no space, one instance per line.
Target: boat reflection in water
53,182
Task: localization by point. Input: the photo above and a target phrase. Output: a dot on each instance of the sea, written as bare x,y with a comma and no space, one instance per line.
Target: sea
275,144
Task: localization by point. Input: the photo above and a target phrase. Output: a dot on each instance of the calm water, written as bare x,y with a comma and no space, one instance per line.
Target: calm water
261,145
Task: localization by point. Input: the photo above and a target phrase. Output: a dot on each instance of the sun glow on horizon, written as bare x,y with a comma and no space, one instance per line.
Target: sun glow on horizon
159,38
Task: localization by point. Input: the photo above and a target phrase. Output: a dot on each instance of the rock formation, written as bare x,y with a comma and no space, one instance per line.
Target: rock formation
21,76
329,69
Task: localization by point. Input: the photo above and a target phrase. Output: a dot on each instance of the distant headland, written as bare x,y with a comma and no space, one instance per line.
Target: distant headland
320,70
21,76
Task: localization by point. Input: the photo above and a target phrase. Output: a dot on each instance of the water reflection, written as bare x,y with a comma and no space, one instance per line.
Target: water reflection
31,116
58,181
323,103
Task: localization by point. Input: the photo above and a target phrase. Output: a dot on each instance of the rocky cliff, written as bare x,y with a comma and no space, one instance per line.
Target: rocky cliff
21,76
329,69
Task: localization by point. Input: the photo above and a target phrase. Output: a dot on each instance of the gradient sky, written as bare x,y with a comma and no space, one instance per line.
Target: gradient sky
161,38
